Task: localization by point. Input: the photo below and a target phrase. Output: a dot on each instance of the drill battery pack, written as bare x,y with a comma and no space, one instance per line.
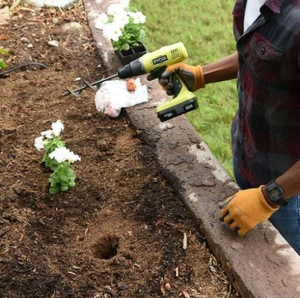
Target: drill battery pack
179,109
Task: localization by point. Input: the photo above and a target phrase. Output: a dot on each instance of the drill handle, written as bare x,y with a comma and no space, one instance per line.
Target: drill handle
177,84
182,102
174,79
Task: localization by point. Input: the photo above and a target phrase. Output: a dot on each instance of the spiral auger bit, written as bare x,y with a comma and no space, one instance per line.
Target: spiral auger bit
95,86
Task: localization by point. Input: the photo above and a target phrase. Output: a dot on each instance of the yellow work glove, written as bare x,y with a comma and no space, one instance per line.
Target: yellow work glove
192,76
245,209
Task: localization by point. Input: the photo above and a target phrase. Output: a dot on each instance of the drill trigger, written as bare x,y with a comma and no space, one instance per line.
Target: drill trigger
156,73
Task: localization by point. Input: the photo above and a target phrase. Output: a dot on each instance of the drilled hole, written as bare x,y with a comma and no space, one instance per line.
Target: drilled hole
106,247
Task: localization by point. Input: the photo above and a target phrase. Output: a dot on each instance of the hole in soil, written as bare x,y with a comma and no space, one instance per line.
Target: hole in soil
106,247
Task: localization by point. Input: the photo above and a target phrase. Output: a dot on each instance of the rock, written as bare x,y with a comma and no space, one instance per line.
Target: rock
55,20
57,3
122,287
24,40
4,16
53,43
71,27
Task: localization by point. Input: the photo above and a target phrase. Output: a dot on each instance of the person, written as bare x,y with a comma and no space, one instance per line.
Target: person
266,127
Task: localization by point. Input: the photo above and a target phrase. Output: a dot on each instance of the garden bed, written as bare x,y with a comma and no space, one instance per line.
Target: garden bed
119,232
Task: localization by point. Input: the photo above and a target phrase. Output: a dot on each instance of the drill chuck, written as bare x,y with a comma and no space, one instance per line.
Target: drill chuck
134,68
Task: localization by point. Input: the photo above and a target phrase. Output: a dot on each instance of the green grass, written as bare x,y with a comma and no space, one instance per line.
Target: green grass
205,28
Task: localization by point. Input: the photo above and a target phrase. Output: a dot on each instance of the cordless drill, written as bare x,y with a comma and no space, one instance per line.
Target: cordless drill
155,63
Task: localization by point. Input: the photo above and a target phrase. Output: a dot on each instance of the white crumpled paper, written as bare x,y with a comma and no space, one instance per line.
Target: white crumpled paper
113,96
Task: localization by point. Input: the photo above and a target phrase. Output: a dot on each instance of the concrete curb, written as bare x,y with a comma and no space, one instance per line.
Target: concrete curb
261,264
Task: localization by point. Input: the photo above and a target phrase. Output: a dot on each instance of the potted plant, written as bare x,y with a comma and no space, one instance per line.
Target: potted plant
124,26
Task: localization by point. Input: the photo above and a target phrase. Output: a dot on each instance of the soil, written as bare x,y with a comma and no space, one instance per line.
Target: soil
117,233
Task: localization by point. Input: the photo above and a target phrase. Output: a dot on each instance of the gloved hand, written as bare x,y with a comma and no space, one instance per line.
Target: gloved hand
245,209
192,76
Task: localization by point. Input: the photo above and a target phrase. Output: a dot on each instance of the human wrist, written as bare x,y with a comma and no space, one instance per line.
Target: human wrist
270,202
200,80
289,181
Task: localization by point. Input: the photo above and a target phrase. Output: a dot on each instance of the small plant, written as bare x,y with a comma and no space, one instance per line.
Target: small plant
63,177
57,157
123,25
2,63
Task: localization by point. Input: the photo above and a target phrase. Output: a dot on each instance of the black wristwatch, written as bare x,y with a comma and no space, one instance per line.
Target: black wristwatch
276,193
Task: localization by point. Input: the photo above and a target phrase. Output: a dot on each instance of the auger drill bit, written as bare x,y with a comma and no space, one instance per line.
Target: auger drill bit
22,66
95,85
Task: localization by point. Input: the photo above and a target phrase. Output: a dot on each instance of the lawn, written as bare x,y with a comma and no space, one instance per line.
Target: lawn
205,28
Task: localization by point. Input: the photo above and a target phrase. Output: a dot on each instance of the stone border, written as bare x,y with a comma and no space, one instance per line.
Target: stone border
261,264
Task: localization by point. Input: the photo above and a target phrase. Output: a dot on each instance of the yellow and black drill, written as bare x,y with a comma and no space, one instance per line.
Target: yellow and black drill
155,63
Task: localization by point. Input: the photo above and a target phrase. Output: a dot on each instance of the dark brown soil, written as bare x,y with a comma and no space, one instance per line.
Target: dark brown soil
119,231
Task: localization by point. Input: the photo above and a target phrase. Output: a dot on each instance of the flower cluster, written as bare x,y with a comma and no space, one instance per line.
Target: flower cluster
123,25
57,157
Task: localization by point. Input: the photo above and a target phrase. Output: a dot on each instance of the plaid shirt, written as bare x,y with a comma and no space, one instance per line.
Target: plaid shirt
266,127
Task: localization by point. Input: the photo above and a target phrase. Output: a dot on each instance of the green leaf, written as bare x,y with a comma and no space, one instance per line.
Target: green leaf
50,163
142,35
2,64
64,188
3,51
72,183
54,189
125,47
62,178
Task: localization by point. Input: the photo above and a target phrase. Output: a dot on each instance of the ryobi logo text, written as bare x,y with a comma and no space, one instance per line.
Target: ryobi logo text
159,60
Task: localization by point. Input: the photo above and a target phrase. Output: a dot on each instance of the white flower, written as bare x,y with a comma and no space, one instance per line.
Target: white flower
115,10
47,134
101,21
138,17
57,127
121,25
112,31
39,143
62,154
121,20
124,3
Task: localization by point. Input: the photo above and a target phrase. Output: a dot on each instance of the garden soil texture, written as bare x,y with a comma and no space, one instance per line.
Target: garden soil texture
119,232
